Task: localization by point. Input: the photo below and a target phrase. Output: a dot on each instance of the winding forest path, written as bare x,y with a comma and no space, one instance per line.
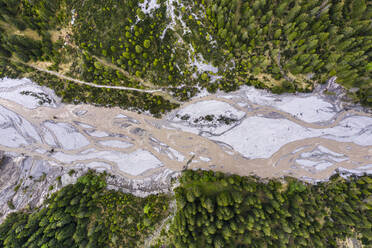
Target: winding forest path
161,92
127,74
59,75
92,84
156,89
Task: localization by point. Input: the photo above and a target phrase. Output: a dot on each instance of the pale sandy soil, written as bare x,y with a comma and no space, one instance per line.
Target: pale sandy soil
305,136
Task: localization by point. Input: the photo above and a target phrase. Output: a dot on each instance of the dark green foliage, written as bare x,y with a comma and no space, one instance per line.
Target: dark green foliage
75,93
285,46
214,210
365,96
71,172
233,211
299,37
85,214
10,204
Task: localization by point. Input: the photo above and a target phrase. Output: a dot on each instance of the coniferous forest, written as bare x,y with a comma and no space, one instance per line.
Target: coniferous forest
181,47
150,59
85,214
221,210
213,210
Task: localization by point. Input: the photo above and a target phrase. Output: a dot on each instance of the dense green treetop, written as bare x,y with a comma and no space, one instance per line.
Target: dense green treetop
219,210
285,46
85,214
213,210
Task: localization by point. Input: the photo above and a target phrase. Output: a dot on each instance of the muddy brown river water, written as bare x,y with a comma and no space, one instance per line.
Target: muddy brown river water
307,136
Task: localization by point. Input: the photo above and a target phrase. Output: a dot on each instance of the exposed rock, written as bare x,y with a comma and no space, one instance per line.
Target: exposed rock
138,131
158,183
219,131
25,182
338,95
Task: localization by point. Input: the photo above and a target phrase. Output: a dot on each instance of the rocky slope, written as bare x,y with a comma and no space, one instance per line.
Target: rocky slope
25,182
250,131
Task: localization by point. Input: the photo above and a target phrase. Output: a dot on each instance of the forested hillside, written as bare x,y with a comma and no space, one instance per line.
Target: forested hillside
85,214
213,210
217,210
177,48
